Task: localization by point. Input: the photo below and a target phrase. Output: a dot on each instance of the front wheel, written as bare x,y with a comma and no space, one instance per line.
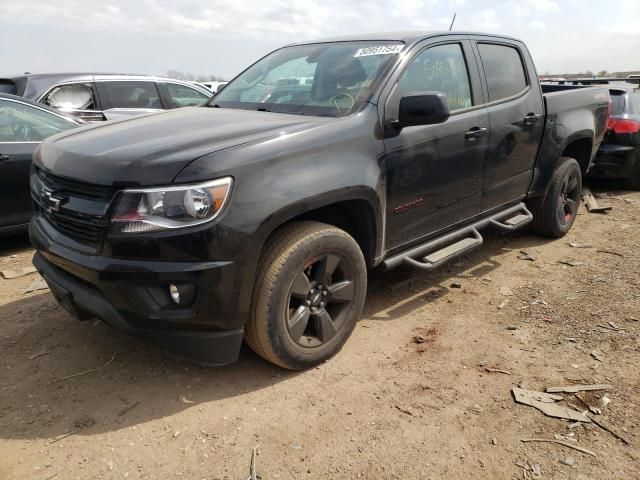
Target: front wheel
554,214
309,293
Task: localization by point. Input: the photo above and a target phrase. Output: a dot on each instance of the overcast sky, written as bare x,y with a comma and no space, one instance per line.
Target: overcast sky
222,37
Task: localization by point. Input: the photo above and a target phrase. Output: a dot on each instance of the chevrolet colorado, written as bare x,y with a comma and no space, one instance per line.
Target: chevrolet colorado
257,215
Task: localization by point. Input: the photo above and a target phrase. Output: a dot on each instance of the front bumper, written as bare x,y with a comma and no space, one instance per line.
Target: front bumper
615,161
132,295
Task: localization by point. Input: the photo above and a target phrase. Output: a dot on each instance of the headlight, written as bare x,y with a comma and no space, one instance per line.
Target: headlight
154,209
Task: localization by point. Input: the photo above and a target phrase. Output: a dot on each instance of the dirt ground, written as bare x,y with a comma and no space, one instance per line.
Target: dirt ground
408,397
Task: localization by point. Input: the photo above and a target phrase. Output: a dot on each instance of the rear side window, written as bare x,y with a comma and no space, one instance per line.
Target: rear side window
130,94
503,69
7,86
77,96
617,102
183,96
634,99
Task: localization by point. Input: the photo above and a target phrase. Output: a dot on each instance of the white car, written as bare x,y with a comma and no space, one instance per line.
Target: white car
215,87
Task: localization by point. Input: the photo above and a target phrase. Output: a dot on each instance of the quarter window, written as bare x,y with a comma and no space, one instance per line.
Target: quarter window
183,96
130,94
77,96
503,69
439,69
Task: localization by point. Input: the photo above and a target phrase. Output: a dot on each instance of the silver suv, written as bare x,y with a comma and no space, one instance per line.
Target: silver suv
96,97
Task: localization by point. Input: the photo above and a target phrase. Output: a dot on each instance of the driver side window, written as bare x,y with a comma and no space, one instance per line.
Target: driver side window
438,69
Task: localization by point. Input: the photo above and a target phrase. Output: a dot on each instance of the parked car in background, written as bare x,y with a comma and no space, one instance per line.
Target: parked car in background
97,97
619,154
257,215
23,125
215,87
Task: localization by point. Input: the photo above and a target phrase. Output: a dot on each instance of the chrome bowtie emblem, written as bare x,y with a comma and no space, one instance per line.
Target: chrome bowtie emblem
51,203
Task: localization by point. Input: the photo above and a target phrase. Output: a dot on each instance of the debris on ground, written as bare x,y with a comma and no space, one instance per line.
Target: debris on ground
524,255
569,461
10,274
506,291
560,442
503,304
41,353
580,245
611,252
566,438
85,371
546,403
497,370
253,472
597,355
185,400
577,388
127,409
607,428
39,284
571,262
591,202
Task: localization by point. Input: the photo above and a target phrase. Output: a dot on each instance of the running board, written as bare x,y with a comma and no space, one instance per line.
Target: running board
438,251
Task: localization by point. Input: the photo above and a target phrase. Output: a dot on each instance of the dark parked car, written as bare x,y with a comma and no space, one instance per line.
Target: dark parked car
96,97
619,154
258,215
23,125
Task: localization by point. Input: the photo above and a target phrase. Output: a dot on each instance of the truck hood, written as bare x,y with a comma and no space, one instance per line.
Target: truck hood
153,149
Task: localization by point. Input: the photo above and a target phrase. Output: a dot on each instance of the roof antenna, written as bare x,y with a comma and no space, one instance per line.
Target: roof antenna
452,20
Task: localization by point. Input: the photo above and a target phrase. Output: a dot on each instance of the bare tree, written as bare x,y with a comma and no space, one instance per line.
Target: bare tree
190,77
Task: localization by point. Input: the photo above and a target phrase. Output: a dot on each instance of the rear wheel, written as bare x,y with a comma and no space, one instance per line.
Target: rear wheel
309,293
554,214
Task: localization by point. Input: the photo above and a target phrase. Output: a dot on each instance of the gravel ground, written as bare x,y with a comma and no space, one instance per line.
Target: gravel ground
409,396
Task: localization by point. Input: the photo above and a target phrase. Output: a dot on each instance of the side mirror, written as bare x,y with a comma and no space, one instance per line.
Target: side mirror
426,108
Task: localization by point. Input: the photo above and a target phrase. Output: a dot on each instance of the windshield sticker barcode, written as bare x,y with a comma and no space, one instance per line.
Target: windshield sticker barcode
378,50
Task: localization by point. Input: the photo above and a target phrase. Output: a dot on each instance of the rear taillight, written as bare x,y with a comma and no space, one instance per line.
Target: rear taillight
618,125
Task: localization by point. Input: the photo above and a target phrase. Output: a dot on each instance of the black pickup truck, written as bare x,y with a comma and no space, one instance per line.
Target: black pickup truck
257,215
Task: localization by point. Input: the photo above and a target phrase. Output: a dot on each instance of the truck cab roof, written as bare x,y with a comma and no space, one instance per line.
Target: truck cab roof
408,37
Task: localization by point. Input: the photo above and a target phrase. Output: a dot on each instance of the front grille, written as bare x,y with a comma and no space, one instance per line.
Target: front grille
83,226
85,231
74,188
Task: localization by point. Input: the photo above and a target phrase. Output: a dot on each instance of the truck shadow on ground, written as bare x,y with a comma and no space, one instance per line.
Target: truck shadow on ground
394,294
59,375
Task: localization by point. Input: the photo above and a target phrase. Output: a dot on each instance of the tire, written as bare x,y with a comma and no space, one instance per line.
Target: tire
309,293
554,214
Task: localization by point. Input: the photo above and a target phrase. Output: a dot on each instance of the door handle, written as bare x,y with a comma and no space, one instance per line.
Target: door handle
4,158
530,119
475,133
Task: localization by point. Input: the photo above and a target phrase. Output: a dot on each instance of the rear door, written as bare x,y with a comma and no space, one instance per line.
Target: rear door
128,97
77,98
22,128
516,113
435,171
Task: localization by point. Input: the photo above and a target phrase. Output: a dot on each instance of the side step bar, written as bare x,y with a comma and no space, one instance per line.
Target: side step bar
434,253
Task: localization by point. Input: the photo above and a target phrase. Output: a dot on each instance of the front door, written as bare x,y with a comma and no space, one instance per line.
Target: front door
435,171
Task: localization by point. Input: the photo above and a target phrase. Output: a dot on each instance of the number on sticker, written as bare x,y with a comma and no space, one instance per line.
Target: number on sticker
378,50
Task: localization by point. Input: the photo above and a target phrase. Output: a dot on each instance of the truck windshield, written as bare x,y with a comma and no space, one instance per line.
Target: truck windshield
328,79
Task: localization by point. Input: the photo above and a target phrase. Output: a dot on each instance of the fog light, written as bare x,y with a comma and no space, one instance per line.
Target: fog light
174,293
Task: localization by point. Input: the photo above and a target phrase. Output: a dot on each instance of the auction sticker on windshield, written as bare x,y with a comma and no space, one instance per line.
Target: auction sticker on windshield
378,50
